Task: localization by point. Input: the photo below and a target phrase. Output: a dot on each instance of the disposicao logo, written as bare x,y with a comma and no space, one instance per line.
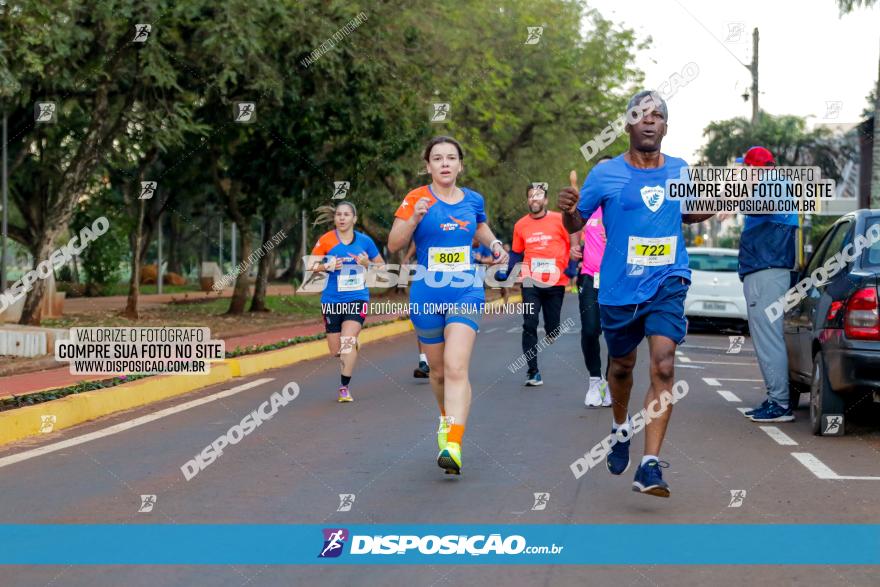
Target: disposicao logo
334,540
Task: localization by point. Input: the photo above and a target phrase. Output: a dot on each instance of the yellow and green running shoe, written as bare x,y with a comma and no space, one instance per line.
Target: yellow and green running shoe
450,458
441,432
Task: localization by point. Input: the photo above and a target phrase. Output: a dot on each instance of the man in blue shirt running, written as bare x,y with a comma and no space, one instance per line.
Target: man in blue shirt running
645,276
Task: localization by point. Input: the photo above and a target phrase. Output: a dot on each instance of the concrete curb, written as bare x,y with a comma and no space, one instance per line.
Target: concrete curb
75,409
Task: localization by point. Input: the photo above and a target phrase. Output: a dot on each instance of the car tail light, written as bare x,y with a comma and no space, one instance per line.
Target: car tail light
833,310
862,319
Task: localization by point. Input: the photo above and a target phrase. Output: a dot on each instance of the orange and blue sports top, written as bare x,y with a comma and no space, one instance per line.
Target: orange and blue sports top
349,283
443,237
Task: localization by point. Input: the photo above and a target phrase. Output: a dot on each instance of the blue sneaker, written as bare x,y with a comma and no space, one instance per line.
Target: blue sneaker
649,479
764,404
534,380
773,413
617,460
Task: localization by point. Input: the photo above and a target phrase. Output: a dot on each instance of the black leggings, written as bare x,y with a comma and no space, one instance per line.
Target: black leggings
546,300
591,327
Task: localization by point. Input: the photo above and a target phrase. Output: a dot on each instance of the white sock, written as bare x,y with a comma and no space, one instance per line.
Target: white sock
423,357
647,458
625,427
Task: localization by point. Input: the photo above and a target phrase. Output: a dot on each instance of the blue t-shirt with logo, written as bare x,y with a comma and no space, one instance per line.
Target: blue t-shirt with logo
768,241
446,231
645,243
349,283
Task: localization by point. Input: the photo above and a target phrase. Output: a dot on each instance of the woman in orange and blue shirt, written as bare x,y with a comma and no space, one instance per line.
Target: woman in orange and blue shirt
446,300
344,255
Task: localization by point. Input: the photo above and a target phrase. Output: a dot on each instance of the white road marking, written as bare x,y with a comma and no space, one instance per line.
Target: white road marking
722,363
729,379
743,410
823,471
110,430
515,329
779,436
684,359
490,330
728,395
708,348
713,382
680,366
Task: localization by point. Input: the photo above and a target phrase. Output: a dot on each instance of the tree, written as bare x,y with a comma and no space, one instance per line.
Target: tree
785,136
847,6
81,57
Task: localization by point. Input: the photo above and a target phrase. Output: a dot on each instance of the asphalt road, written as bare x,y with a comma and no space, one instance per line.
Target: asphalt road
382,448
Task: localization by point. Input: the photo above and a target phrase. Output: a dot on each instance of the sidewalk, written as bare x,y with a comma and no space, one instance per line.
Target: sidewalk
61,377
74,305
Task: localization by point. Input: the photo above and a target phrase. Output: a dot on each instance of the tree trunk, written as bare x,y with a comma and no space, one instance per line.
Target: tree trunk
293,247
240,293
267,265
134,284
30,314
175,253
61,201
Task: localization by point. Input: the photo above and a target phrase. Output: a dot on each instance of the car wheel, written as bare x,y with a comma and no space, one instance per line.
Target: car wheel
823,400
794,394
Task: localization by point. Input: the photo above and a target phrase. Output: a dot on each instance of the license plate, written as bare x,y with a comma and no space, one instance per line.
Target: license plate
714,306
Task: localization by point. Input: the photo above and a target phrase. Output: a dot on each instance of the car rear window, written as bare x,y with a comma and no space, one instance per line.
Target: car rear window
871,255
713,262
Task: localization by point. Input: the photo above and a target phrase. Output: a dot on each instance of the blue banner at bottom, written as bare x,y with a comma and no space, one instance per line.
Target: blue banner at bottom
523,544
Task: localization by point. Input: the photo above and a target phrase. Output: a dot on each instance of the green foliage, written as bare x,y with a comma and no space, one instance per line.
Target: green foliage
786,137
102,259
359,112
847,6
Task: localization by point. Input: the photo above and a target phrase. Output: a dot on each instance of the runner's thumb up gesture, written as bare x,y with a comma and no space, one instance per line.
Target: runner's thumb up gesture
569,196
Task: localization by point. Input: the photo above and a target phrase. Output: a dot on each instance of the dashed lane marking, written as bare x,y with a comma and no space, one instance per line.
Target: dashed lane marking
779,436
728,395
823,471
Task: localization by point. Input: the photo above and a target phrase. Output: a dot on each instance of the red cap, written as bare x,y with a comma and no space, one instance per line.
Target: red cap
758,157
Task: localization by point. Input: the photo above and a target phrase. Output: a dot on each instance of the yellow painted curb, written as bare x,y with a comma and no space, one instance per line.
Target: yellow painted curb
76,409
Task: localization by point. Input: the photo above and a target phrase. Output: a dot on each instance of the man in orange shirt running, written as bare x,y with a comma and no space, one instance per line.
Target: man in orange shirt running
543,245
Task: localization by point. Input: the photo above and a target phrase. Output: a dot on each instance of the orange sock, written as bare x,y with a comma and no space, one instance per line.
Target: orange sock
456,432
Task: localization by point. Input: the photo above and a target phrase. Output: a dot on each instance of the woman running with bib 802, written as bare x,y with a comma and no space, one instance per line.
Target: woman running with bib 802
345,255
446,304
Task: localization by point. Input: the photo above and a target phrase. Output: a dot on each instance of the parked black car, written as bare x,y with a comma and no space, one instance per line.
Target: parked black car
832,335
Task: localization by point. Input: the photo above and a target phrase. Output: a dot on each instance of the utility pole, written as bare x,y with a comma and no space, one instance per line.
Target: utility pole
305,229
159,260
233,249
221,244
754,69
305,243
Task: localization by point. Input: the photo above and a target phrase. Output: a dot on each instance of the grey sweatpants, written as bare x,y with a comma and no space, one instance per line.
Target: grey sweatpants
761,289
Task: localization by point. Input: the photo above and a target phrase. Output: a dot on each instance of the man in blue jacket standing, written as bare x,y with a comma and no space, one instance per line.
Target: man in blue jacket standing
766,262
